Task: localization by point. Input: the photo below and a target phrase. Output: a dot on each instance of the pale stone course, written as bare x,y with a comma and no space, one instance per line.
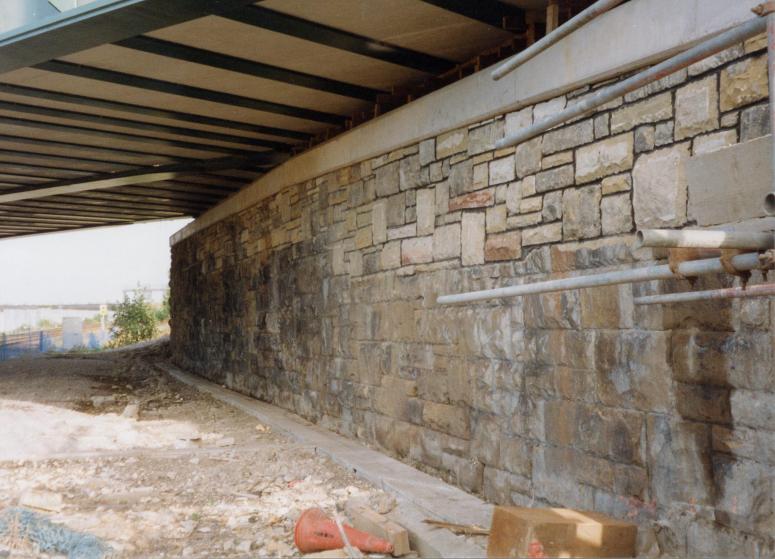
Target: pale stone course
451,143
660,187
581,212
714,141
557,159
551,206
616,183
529,205
390,257
606,157
548,108
696,108
568,137
528,157
744,82
754,122
426,211
379,221
481,176
505,246
473,232
387,179
559,177
651,110
616,214
404,232
518,120
496,218
427,151
550,233
502,170
417,250
446,242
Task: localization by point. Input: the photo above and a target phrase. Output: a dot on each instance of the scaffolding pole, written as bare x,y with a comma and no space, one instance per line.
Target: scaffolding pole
694,238
595,10
690,268
764,290
695,54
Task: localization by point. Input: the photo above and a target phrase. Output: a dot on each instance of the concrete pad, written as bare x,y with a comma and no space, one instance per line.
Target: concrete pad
419,495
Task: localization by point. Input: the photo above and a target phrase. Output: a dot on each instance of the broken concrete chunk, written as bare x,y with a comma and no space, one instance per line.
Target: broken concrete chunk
368,520
132,411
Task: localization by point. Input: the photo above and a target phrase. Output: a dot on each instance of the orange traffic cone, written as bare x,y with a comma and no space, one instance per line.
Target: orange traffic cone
317,532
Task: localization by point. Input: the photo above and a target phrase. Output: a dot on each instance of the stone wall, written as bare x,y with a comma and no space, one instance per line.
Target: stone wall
321,299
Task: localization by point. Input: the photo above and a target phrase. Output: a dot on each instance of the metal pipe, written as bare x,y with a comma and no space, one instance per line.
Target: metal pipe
596,9
682,60
764,290
741,263
769,199
693,238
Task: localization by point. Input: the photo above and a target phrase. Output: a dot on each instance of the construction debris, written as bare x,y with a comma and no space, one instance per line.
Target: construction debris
372,522
460,529
315,531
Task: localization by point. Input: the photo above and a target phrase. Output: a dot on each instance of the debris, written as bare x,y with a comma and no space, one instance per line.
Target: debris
42,500
459,529
132,411
226,441
523,532
102,401
383,503
263,428
317,532
370,521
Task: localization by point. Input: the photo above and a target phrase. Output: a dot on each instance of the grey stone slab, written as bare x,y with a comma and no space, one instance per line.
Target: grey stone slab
729,185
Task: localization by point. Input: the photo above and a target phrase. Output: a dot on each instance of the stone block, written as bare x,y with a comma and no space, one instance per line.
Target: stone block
533,204
451,143
496,218
714,142
481,176
515,456
483,138
551,207
478,199
528,186
418,250
616,214
395,210
514,197
527,157
379,221
505,246
446,242
648,90
663,134
754,122
753,408
404,232
473,233
561,158
679,455
435,172
653,109
363,237
645,138
502,170
524,220
387,179
559,177
550,233
390,257
426,211
660,187
427,151
696,108
410,174
743,83
568,137
718,59
616,183
548,108
461,178
447,419
442,198
518,120
602,125
581,212
606,157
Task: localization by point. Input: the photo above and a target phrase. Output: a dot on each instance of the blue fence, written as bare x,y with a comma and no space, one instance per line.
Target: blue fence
24,343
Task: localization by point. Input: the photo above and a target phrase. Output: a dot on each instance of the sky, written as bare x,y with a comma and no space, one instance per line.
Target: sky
91,266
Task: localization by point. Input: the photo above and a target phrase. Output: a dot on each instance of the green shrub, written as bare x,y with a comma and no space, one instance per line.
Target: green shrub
133,322
163,312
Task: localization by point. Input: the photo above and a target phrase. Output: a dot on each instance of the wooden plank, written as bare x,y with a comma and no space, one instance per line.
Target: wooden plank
368,520
555,532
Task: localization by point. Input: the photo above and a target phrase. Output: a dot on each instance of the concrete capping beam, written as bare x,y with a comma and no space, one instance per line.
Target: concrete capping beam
631,36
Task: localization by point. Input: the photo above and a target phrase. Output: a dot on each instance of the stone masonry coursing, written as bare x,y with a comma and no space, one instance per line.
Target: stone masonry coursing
321,300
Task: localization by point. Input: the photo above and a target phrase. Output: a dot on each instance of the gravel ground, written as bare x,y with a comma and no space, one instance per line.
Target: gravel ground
107,445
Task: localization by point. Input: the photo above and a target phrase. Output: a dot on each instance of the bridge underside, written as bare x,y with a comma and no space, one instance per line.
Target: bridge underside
119,111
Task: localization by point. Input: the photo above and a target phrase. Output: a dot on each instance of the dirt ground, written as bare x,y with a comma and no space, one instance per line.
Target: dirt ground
107,445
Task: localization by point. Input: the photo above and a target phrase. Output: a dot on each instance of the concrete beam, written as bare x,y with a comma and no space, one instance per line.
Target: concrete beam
631,36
